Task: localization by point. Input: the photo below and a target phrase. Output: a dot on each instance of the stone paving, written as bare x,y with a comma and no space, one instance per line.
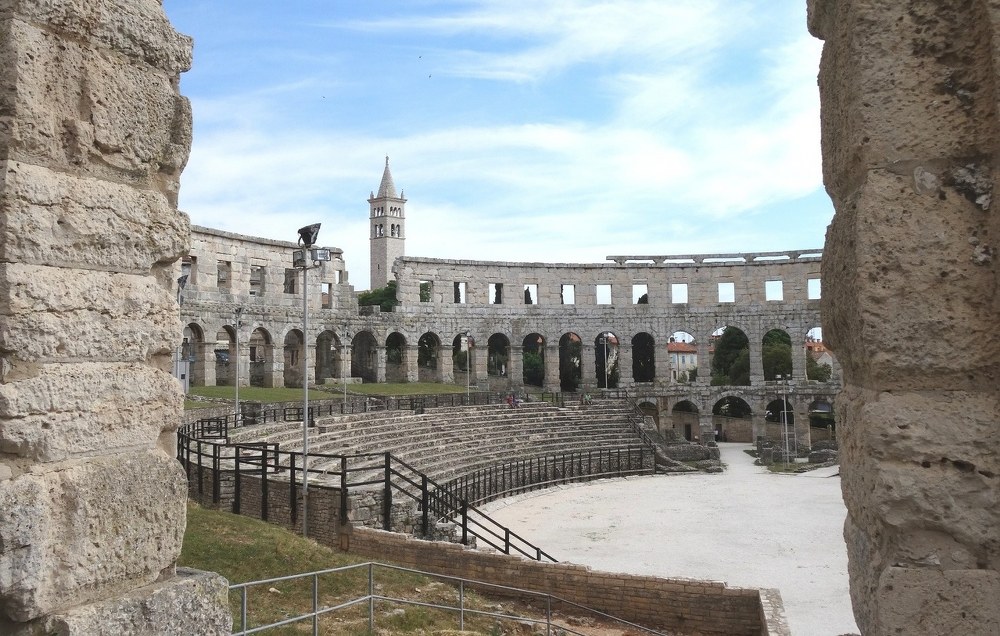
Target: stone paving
747,527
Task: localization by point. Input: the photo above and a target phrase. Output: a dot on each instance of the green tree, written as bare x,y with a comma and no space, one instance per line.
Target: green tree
427,353
570,352
692,374
425,292
385,297
461,359
534,368
817,371
731,362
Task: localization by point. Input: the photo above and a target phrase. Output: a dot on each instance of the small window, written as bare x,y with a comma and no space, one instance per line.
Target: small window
568,294
813,288
496,293
727,292
773,290
326,290
257,280
640,294
604,294
291,280
460,293
189,268
340,277
679,293
426,289
531,294
224,274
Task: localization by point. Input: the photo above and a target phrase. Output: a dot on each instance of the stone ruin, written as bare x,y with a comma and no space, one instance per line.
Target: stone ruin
93,138
910,305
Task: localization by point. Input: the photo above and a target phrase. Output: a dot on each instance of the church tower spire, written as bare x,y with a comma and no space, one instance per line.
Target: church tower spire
387,224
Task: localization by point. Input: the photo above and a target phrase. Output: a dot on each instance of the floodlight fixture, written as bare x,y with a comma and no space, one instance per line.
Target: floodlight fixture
308,235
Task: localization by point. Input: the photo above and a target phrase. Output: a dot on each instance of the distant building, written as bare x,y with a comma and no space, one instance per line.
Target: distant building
683,358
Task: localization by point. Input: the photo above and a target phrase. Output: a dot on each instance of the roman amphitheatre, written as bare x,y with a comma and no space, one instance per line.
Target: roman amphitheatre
102,275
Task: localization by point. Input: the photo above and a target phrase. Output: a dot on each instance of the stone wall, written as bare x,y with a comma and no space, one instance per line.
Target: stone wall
93,137
910,140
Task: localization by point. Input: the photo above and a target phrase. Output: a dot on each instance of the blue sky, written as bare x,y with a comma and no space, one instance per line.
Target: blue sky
522,130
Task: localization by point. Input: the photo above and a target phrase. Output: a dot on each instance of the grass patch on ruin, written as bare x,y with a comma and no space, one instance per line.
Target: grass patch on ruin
243,549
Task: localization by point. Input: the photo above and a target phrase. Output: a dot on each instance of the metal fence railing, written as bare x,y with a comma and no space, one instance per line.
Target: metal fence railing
325,604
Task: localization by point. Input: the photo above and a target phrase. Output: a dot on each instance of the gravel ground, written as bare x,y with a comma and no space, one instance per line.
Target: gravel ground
746,526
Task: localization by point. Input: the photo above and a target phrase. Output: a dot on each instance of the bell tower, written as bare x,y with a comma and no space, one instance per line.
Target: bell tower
387,229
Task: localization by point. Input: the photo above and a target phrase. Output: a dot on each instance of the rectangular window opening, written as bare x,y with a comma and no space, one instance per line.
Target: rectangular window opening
531,294
679,293
496,293
326,291
727,292
774,290
814,289
224,274
426,291
640,294
460,293
568,294
291,280
256,280
604,294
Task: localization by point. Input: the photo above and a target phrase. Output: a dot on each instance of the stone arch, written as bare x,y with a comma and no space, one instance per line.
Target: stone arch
649,409
293,349
193,354
261,355
497,355
822,422
325,360
463,358
364,358
428,351
533,359
776,355
606,355
732,419
643,357
396,357
226,356
820,363
682,356
570,361
730,357
684,420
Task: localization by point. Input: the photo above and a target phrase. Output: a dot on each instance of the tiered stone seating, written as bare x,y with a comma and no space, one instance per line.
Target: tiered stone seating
448,442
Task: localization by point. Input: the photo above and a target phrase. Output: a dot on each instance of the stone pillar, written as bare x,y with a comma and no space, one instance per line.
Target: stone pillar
552,382
480,357
910,287
800,410
704,361
310,378
759,426
446,368
203,367
380,363
625,379
756,364
588,366
93,136
799,355
515,366
411,362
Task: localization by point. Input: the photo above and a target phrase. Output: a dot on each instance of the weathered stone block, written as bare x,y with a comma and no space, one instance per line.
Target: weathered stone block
83,110
880,301
88,531
50,218
932,601
135,29
190,603
72,410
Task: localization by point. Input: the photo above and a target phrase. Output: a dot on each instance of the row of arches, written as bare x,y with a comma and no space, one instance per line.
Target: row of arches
602,360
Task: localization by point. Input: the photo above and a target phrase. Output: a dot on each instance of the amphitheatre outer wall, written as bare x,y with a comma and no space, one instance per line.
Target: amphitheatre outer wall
348,343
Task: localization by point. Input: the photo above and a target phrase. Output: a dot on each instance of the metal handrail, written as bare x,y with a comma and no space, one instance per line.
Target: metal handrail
460,608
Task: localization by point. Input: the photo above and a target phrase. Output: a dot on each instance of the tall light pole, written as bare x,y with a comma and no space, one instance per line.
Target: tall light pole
300,259
343,364
468,365
237,314
784,413
604,340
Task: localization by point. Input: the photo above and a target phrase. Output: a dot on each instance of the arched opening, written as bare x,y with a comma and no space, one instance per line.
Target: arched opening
776,355
684,420
226,357
192,355
780,421
326,357
364,358
395,358
293,358
533,360
732,420
643,358
730,357
428,367
463,359
819,361
261,358
570,362
606,360
822,423
497,355
649,409
683,355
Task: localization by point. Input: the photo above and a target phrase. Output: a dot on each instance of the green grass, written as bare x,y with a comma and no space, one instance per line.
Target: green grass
407,388
244,549
260,394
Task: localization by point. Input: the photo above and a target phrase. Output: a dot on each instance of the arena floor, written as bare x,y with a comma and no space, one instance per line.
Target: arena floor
746,526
